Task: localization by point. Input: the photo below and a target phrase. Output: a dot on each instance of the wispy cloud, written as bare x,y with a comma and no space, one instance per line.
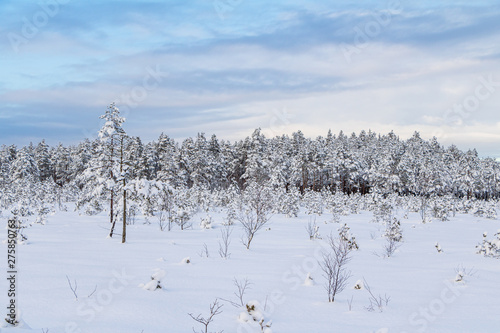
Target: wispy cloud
226,75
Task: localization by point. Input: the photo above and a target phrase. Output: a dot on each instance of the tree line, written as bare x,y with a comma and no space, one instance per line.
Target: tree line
104,172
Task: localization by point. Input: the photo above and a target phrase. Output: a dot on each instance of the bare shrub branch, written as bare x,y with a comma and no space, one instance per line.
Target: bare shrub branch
241,289
255,211
226,241
376,302
390,247
333,266
204,251
73,288
93,292
313,229
349,302
215,309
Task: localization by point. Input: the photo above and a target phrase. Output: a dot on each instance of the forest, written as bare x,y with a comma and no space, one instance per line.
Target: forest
170,181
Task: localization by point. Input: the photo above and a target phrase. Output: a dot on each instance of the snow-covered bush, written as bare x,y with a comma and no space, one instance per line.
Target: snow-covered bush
254,317
440,209
463,273
42,213
231,215
490,248
313,202
201,197
182,218
358,285
382,210
206,222
393,234
485,209
438,248
155,282
313,230
354,202
345,236
393,230
289,203
337,205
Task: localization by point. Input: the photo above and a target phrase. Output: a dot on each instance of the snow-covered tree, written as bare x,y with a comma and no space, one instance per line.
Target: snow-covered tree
106,177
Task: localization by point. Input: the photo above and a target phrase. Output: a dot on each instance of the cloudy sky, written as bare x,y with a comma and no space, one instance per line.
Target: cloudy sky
230,66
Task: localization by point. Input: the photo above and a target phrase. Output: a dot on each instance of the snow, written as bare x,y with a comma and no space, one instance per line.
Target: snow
309,280
421,283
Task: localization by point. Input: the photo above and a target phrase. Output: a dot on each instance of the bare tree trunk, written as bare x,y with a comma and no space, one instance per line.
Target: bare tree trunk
111,207
124,232
112,219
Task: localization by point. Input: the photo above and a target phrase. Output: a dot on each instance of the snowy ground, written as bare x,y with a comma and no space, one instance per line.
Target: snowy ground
419,281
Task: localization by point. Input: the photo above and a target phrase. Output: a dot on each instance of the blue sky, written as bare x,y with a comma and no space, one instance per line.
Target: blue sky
230,66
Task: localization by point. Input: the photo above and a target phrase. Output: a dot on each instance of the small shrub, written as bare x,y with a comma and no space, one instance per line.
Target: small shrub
345,236
490,248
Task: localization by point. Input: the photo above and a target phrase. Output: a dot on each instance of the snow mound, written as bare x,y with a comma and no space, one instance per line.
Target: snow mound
254,317
155,282
309,280
358,285
160,274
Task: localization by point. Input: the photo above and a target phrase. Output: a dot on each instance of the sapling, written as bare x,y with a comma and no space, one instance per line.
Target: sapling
313,230
333,266
225,242
257,213
241,289
215,309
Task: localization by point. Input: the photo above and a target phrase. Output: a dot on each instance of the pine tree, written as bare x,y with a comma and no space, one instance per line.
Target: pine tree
106,177
43,161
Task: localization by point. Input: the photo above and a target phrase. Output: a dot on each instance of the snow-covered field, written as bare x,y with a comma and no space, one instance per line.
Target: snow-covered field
420,282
